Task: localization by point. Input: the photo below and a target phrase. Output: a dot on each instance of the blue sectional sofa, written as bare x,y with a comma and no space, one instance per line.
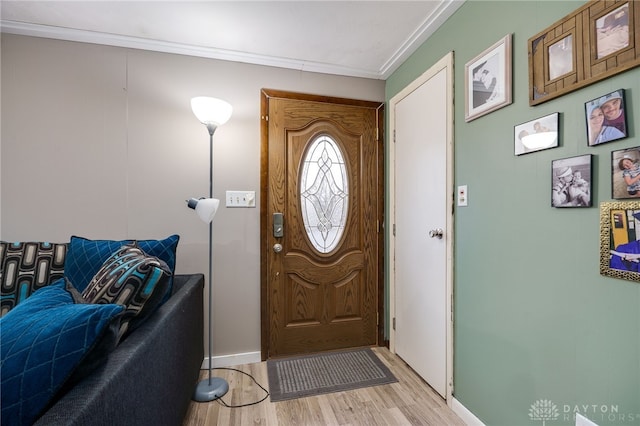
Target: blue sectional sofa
98,332
150,377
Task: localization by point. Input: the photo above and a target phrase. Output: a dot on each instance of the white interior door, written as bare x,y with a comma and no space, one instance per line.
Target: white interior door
422,187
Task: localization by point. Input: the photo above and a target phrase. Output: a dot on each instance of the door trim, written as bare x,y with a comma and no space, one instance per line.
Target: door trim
445,63
265,96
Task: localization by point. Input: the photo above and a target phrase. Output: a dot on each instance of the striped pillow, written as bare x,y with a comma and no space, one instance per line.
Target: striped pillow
131,278
26,267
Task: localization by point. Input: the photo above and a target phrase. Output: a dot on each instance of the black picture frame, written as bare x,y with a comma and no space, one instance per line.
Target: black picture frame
572,181
537,134
606,118
625,173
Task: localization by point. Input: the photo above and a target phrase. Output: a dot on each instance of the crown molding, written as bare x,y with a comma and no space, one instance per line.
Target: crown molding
429,26
445,9
67,34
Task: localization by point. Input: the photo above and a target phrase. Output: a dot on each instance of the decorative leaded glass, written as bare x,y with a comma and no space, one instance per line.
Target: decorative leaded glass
324,192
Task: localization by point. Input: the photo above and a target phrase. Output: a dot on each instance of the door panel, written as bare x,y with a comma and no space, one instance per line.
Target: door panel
423,200
318,301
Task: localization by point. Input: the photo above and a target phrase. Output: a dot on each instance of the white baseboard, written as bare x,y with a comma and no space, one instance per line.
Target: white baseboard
467,416
231,360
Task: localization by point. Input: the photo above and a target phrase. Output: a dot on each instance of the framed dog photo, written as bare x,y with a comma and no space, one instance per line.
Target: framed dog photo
625,173
620,239
606,118
487,80
536,135
571,184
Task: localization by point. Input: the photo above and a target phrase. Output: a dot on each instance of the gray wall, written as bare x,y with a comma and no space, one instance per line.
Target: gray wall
534,319
101,142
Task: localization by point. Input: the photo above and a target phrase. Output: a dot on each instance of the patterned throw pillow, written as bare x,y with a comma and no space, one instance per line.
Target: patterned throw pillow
26,267
131,278
45,340
85,257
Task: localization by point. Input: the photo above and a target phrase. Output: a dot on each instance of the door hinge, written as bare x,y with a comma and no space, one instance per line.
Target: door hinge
394,323
377,133
452,308
394,229
378,318
394,135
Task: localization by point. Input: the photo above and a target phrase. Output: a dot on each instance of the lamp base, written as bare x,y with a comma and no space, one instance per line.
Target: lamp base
210,389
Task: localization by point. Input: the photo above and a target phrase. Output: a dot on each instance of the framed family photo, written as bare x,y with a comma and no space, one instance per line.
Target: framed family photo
488,80
571,181
606,118
620,239
625,173
536,135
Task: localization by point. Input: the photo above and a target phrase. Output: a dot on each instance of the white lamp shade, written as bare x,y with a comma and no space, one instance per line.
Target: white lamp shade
205,208
211,110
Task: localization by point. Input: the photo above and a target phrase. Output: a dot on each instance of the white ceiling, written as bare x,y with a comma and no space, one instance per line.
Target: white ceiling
354,38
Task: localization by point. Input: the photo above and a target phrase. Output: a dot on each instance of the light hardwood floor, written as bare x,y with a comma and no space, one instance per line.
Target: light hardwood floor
409,402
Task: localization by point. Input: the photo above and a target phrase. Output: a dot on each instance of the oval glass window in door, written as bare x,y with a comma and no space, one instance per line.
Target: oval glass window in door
324,193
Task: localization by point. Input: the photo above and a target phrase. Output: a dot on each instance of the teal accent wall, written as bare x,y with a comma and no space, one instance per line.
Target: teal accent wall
534,319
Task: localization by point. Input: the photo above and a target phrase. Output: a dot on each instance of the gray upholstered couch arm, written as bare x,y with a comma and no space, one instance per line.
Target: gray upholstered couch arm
150,377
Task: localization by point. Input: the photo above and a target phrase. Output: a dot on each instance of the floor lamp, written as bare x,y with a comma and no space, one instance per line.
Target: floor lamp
212,113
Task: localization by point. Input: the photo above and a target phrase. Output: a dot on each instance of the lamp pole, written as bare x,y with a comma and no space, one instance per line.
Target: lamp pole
212,113
211,128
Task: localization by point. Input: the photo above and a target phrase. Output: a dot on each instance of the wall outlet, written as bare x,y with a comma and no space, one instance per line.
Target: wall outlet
241,199
463,195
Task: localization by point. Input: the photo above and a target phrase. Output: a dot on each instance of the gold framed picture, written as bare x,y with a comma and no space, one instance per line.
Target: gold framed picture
620,239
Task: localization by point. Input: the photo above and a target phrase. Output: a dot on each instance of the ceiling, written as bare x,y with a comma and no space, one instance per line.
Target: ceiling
367,39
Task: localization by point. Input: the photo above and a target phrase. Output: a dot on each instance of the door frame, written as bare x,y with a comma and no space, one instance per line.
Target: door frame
445,63
265,96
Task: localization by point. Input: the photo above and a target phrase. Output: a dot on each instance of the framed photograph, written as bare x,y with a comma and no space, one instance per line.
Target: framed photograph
612,31
488,80
606,118
625,173
596,41
536,135
620,239
571,184
561,57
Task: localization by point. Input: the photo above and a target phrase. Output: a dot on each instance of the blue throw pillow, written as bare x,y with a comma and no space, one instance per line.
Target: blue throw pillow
45,339
131,278
85,257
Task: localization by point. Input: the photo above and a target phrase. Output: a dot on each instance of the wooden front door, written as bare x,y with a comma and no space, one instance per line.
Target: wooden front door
321,210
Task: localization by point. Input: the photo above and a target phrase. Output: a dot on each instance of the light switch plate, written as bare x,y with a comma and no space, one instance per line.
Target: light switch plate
463,196
240,199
